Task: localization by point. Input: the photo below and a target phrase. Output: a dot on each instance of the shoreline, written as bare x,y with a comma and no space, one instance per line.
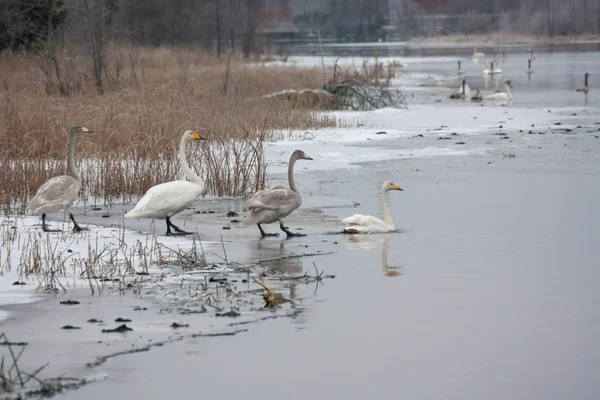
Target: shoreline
503,39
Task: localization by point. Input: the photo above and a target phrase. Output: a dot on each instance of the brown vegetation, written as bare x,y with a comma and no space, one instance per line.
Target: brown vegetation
151,97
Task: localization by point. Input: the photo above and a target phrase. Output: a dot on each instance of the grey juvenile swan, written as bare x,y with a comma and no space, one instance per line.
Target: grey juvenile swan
60,192
586,87
271,205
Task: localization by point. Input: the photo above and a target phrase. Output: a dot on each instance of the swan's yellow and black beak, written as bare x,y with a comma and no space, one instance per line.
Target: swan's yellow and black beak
86,130
307,157
197,136
396,187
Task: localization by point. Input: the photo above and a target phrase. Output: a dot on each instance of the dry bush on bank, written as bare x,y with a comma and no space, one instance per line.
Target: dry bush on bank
153,95
367,88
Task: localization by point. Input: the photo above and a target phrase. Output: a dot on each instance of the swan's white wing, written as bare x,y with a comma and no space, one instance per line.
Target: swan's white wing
498,96
57,193
166,199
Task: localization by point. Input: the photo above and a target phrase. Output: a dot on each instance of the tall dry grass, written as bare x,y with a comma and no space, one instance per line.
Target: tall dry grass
153,95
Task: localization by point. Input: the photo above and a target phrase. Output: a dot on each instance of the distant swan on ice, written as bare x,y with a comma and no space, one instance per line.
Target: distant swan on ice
476,56
359,223
463,92
585,88
502,96
529,70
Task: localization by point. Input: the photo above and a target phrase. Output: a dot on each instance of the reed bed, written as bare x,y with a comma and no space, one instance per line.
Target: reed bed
151,97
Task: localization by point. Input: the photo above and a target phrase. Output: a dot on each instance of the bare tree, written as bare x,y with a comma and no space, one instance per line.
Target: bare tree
97,18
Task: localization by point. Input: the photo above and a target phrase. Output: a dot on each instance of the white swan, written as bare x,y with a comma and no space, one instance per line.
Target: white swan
60,192
463,92
487,70
476,56
167,199
359,223
586,87
502,96
494,69
271,205
529,70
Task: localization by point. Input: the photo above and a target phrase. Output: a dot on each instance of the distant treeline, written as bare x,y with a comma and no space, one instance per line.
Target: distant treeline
219,25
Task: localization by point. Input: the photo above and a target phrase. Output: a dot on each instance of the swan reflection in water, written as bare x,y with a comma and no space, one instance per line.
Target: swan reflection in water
275,255
372,241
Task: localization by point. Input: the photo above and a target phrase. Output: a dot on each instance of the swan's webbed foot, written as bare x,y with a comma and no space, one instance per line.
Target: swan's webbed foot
290,233
265,234
76,227
45,227
178,230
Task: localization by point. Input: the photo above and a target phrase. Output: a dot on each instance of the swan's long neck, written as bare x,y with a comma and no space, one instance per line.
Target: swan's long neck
184,164
529,64
71,158
291,180
387,218
463,87
586,80
508,92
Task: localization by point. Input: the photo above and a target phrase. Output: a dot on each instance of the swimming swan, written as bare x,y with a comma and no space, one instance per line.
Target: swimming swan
463,92
271,205
502,96
60,192
529,70
487,70
169,198
476,56
585,88
359,223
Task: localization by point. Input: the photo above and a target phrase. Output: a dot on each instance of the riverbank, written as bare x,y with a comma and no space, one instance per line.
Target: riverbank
502,39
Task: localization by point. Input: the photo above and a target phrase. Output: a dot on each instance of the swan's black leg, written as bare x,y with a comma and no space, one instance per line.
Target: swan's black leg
290,233
178,231
45,227
76,227
264,234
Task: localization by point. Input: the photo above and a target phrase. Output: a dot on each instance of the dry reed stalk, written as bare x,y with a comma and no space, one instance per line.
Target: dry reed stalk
161,92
